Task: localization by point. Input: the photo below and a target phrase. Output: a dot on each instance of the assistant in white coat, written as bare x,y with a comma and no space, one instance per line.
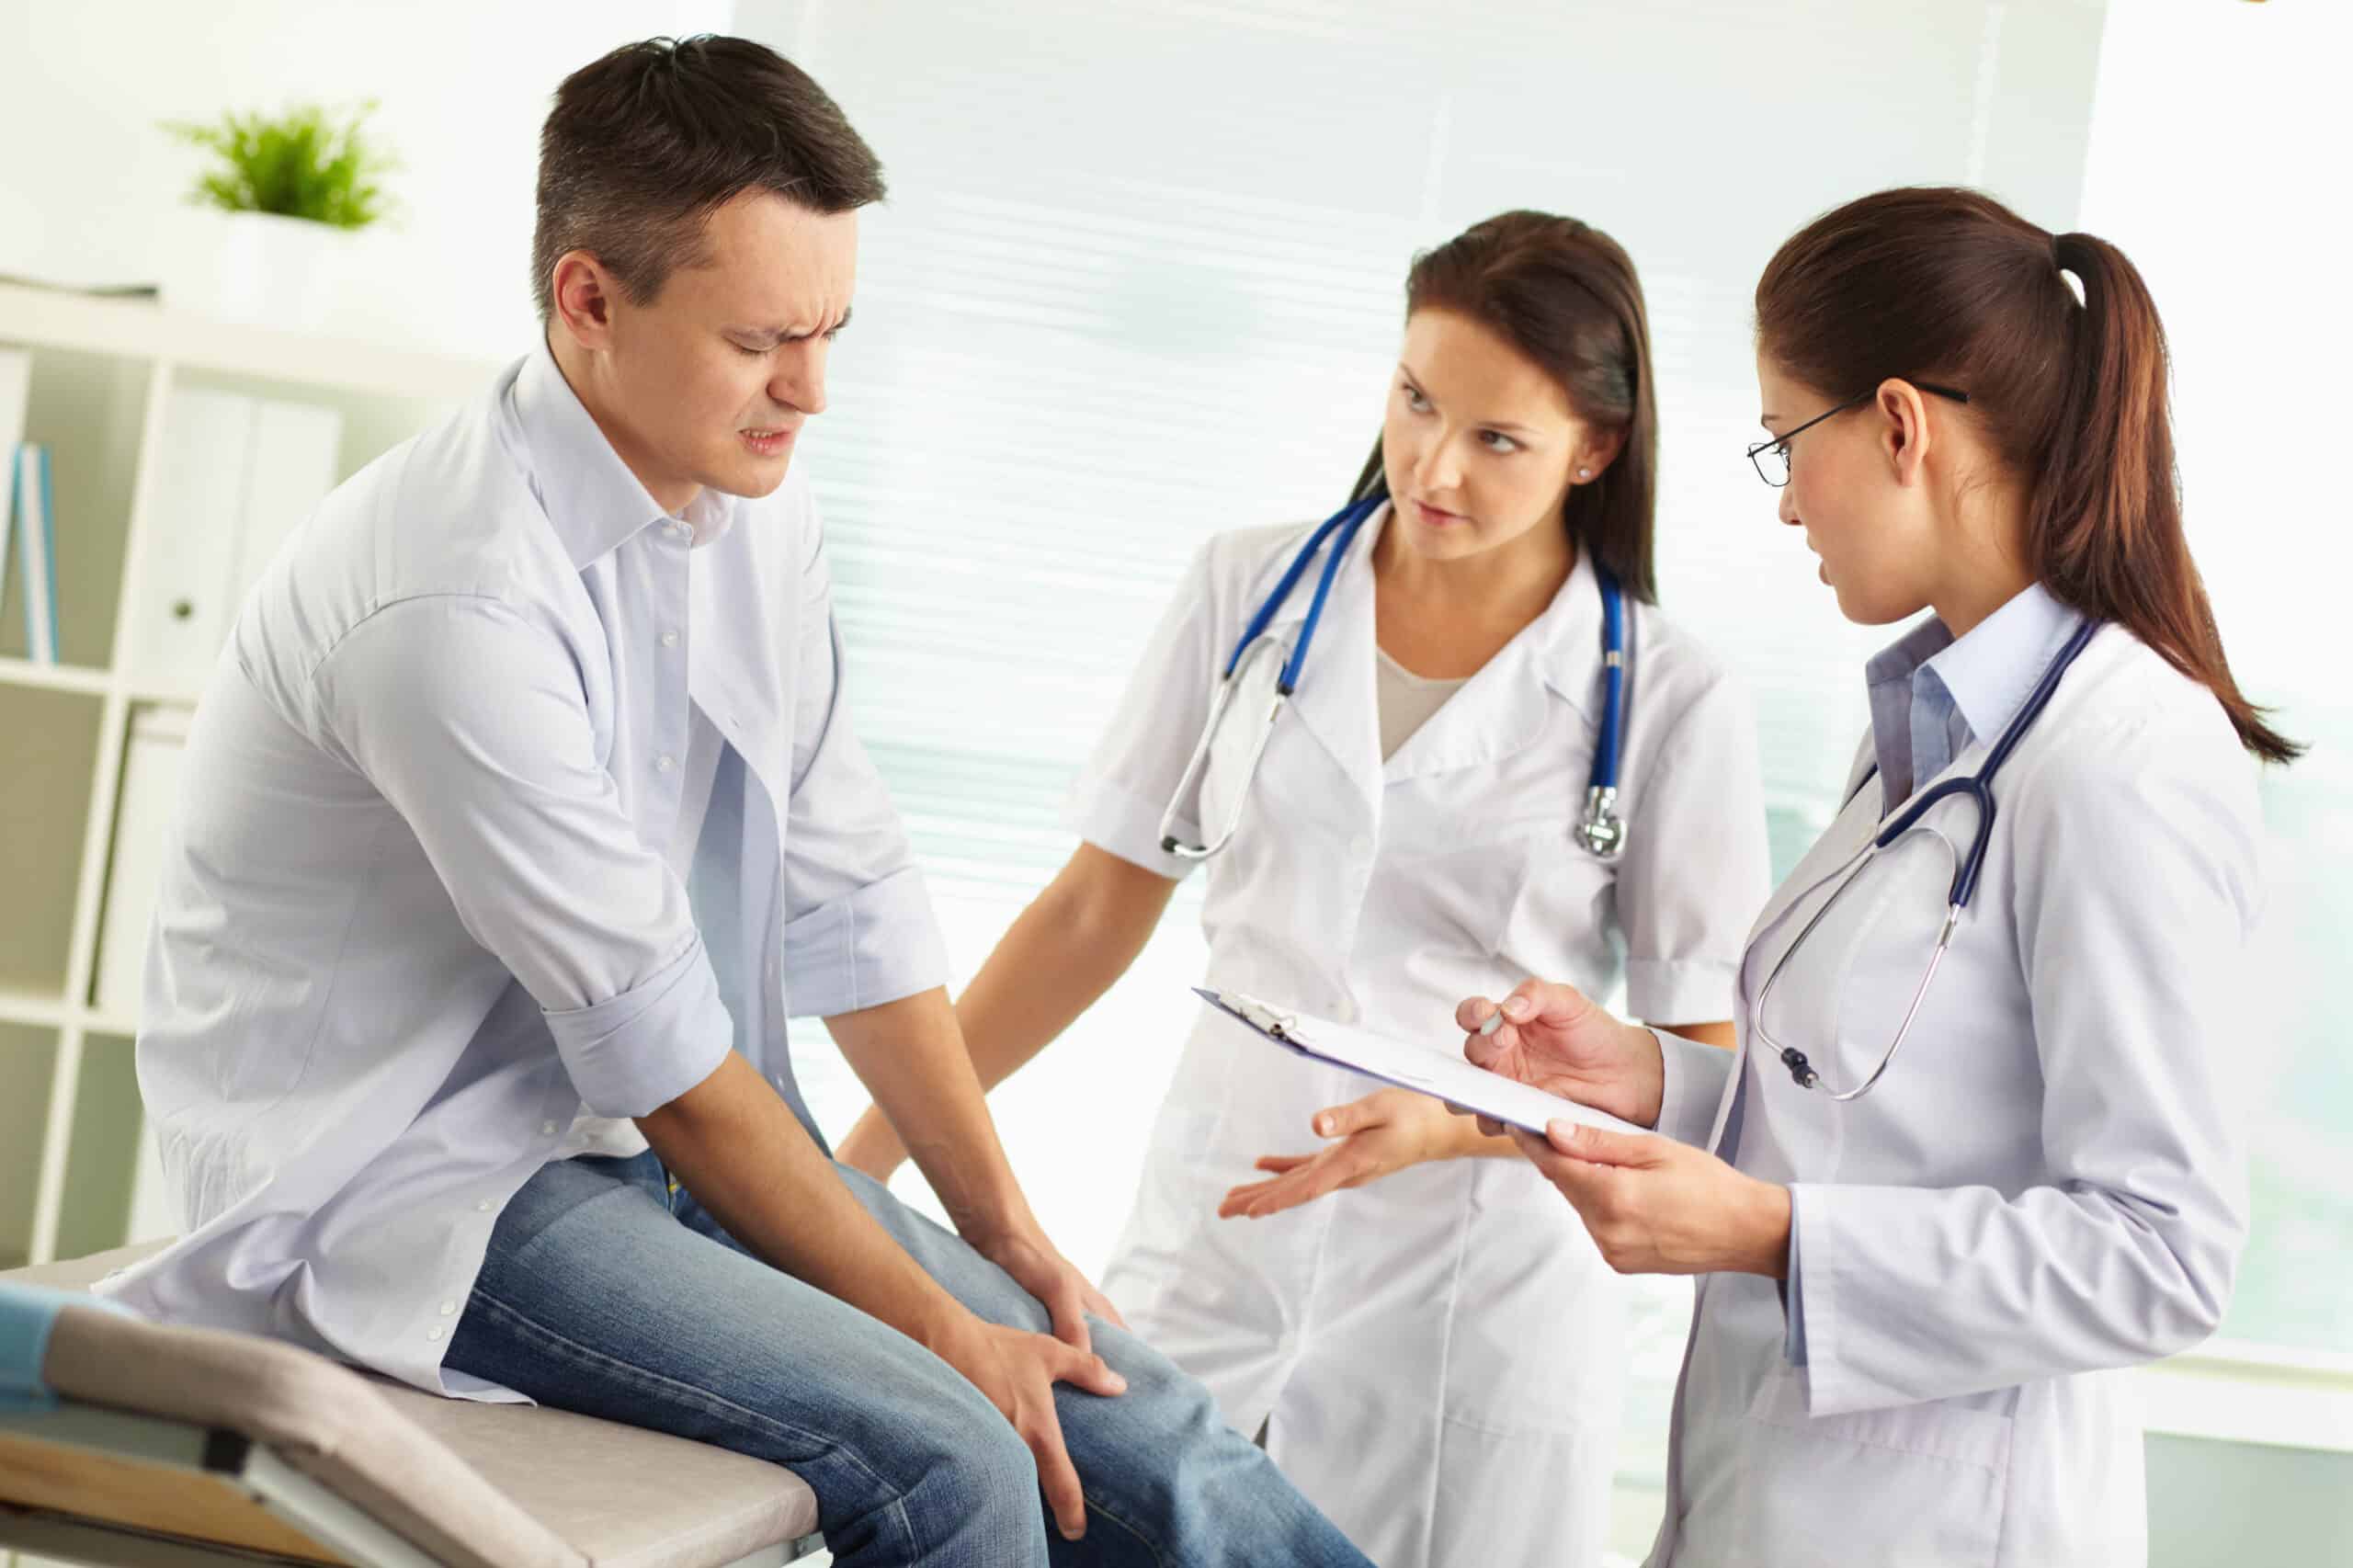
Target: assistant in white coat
1915,1304
1433,1355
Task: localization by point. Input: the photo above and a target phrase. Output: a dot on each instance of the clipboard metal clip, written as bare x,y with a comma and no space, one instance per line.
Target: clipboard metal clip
1258,1015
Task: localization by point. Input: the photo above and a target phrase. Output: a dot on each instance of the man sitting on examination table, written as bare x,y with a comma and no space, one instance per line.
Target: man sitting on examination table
519,814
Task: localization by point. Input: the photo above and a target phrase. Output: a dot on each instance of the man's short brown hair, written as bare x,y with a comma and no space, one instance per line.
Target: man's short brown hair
643,144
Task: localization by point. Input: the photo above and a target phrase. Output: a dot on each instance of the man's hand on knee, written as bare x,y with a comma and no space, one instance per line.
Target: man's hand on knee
1018,1370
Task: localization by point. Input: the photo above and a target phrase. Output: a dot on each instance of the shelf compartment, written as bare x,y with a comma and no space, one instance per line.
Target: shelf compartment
48,765
88,410
27,1065
113,1189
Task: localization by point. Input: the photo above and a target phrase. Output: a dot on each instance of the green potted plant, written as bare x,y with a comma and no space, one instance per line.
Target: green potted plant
285,192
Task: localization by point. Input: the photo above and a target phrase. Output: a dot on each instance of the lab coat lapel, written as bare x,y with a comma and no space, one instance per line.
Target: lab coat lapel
1336,699
1831,851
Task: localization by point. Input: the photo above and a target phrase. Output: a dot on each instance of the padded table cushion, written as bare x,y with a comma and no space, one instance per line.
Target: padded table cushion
481,1485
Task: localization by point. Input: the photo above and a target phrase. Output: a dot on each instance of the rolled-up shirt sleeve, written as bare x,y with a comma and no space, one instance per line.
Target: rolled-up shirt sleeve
860,929
501,783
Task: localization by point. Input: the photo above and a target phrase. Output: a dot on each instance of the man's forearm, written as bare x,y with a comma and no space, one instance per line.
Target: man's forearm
911,1057
734,1144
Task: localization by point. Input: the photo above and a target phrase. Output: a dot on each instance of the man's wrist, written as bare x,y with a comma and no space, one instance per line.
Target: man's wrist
983,1201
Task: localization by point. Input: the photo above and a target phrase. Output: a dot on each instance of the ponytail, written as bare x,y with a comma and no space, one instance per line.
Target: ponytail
1950,285
2104,529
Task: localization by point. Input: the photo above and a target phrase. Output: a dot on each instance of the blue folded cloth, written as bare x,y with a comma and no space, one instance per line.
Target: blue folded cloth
27,1313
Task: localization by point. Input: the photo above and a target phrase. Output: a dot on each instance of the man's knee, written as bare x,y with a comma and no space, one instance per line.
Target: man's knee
980,1483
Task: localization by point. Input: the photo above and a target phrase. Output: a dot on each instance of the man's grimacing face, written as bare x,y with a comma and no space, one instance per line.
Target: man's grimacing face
711,380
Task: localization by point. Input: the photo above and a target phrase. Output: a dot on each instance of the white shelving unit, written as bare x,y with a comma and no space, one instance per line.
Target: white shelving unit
104,371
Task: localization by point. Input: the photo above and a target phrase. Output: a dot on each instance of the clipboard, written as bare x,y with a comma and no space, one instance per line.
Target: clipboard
1424,1069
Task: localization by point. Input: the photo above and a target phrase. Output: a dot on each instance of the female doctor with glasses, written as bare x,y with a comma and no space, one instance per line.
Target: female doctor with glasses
1972,1156
1426,1338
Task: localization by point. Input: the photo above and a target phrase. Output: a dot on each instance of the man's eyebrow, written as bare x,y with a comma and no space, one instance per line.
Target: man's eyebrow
772,336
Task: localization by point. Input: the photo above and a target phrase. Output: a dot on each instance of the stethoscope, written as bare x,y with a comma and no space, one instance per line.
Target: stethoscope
1603,830
1979,788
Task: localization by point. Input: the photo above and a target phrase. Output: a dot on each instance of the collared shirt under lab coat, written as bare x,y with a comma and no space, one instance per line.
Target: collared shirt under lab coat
1436,1356
2046,1187
418,907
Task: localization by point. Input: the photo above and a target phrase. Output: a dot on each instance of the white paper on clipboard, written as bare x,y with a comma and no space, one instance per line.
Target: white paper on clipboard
1427,1069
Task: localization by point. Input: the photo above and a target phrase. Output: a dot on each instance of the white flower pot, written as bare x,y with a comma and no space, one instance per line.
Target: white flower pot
256,268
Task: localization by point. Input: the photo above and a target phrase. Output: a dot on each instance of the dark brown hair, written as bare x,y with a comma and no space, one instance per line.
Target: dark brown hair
1950,286
1564,294
643,144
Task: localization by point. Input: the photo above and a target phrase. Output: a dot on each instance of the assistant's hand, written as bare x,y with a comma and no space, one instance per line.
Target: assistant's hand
1017,1371
1038,1267
1655,1206
1377,1136
1556,1038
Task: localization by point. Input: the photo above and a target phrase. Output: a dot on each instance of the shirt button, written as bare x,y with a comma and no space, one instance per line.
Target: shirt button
663,763
546,1129
483,1207
680,530
669,639
449,1308
433,1333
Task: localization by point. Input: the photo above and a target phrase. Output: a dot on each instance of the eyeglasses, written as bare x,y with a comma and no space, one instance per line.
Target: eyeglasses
1772,457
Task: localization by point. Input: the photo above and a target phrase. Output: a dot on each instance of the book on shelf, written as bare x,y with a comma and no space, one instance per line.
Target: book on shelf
36,551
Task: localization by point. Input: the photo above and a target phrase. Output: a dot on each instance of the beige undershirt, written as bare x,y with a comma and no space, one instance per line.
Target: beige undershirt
1406,700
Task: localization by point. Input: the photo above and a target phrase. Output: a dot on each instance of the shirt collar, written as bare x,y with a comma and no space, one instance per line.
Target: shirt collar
593,500
1989,673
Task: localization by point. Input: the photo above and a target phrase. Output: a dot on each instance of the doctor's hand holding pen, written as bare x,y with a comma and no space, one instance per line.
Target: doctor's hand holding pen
1653,1205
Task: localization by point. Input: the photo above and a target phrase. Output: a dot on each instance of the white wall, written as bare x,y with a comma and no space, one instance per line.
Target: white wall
91,191
2218,163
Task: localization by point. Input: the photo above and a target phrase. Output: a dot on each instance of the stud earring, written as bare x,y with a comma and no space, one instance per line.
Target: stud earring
1584,473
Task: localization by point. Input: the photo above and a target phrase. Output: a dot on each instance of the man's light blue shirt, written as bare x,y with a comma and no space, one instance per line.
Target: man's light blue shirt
1933,697
418,907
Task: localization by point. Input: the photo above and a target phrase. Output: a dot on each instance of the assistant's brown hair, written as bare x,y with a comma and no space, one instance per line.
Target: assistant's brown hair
1564,294
644,143
1950,286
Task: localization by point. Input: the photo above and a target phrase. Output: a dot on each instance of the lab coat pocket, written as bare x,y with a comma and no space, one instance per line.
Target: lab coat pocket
1923,1484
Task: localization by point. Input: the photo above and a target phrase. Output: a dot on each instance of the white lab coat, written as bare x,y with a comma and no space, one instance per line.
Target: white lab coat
2046,1187
1436,1356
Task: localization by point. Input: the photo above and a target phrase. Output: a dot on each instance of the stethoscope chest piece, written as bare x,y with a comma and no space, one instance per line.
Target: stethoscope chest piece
1603,830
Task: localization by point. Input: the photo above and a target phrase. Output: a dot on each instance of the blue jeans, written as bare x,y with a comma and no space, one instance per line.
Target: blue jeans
607,1293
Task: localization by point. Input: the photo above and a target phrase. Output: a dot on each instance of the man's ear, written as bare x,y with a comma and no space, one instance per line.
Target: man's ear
583,294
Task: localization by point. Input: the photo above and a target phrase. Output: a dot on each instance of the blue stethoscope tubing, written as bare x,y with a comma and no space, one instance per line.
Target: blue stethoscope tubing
1603,830
1978,787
